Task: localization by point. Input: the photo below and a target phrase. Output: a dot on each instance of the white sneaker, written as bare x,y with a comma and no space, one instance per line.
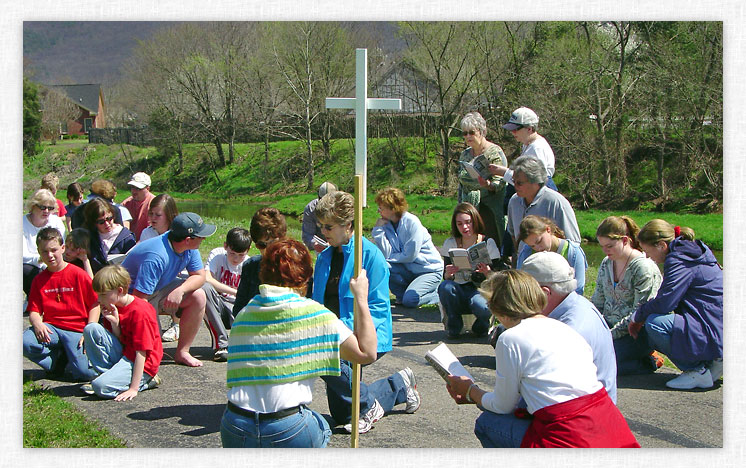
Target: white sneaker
365,423
413,396
87,388
691,379
172,334
716,369
221,355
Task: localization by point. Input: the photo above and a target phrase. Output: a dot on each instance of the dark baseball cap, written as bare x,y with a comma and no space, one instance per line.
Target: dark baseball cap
191,225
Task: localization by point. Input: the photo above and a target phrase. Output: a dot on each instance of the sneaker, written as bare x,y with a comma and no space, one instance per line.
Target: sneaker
221,355
155,382
691,379
413,396
172,334
716,369
365,423
656,359
87,388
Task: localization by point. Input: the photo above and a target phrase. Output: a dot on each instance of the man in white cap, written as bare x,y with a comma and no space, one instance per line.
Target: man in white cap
154,266
311,233
139,202
522,124
557,279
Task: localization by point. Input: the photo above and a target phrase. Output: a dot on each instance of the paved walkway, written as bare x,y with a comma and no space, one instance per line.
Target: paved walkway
186,410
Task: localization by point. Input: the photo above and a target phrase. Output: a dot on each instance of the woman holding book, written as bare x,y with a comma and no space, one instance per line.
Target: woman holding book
540,234
550,366
280,342
458,292
486,194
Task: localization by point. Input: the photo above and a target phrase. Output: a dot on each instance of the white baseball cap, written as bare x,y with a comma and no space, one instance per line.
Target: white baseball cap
140,180
522,117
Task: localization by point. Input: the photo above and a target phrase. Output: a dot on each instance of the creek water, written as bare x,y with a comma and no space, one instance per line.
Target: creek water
244,211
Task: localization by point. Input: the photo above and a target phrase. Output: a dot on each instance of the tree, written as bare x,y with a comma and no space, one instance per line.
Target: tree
57,110
31,117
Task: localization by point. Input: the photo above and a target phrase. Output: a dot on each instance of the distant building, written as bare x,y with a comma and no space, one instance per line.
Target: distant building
417,92
90,99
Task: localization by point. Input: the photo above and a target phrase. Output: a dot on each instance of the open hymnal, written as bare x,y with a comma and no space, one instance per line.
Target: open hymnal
477,167
319,241
468,259
444,361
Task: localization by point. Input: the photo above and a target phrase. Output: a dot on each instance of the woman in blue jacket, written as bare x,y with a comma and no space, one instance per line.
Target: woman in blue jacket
107,237
691,336
334,267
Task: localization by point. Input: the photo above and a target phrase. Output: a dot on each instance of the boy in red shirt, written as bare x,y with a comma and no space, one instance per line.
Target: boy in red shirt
126,351
61,301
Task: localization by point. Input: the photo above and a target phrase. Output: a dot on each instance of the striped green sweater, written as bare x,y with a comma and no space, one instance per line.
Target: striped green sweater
281,337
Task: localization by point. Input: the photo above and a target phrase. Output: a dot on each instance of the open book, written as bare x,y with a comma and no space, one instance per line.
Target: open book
468,259
443,360
477,167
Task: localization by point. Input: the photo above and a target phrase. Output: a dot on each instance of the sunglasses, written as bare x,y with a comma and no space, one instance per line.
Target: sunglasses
103,221
45,208
470,132
326,227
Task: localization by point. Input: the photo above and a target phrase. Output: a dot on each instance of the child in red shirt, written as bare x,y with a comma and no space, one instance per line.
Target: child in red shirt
61,301
126,350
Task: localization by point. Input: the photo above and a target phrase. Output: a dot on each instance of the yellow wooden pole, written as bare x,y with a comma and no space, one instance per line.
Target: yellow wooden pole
358,236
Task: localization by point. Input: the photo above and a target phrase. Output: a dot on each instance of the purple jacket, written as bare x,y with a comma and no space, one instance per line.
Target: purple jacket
693,289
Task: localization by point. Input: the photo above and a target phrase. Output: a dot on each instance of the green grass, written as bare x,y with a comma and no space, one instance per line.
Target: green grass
49,421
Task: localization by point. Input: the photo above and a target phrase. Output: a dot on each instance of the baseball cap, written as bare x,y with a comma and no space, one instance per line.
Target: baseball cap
523,116
548,268
326,187
140,180
191,225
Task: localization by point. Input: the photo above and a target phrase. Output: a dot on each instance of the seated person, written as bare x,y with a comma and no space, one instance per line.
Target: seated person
138,203
415,263
692,335
540,234
334,268
267,404
458,292
60,304
78,250
550,366
126,350
161,213
107,238
626,279
50,182
310,227
222,277
74,199
267,226
99,189
154,266
41,208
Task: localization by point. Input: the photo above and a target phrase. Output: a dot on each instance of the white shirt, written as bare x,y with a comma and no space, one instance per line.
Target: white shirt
540,149
148,233
223,271
269,398
545,362
30,252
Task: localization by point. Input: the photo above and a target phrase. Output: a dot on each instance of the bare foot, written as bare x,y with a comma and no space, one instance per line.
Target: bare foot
187,359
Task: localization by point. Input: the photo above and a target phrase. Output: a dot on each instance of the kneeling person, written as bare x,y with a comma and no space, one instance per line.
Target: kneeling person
126,350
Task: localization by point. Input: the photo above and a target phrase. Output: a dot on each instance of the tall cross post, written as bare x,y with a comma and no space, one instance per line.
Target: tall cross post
360,103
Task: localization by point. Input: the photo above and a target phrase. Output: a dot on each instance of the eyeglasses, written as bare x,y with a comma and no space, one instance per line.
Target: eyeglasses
470,132
103,221
45,208
326,227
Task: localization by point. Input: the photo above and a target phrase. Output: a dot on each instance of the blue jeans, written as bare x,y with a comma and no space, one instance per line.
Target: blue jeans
104,352
500,430
389,392
63,344
305,429
633,355
414,290
660,328
459,299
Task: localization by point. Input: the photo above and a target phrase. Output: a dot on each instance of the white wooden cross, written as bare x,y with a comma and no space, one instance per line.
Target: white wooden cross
361,103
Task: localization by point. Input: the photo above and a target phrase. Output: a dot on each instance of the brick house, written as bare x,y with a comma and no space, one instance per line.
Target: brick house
90,99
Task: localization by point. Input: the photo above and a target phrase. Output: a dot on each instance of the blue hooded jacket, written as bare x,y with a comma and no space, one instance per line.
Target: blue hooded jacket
692,288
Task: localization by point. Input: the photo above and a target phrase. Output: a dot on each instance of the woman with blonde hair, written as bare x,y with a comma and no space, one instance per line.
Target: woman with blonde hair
691,336
626,279
41,208
540,234
550,366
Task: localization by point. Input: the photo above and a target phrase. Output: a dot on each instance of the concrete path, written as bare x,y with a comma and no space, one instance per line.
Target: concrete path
186,410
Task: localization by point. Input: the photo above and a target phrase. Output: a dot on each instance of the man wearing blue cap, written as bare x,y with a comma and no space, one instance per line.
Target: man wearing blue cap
154,266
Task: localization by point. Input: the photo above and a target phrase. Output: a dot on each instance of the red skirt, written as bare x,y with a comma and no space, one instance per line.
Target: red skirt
589,421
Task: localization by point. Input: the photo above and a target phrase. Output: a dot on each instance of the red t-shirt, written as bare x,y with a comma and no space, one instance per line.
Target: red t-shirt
140,332
63,298
61,210
139,212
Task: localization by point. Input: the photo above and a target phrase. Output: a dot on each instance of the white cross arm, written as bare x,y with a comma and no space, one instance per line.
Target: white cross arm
373,103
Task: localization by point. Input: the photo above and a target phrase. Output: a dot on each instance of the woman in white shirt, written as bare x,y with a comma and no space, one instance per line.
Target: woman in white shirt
41,207
550,366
